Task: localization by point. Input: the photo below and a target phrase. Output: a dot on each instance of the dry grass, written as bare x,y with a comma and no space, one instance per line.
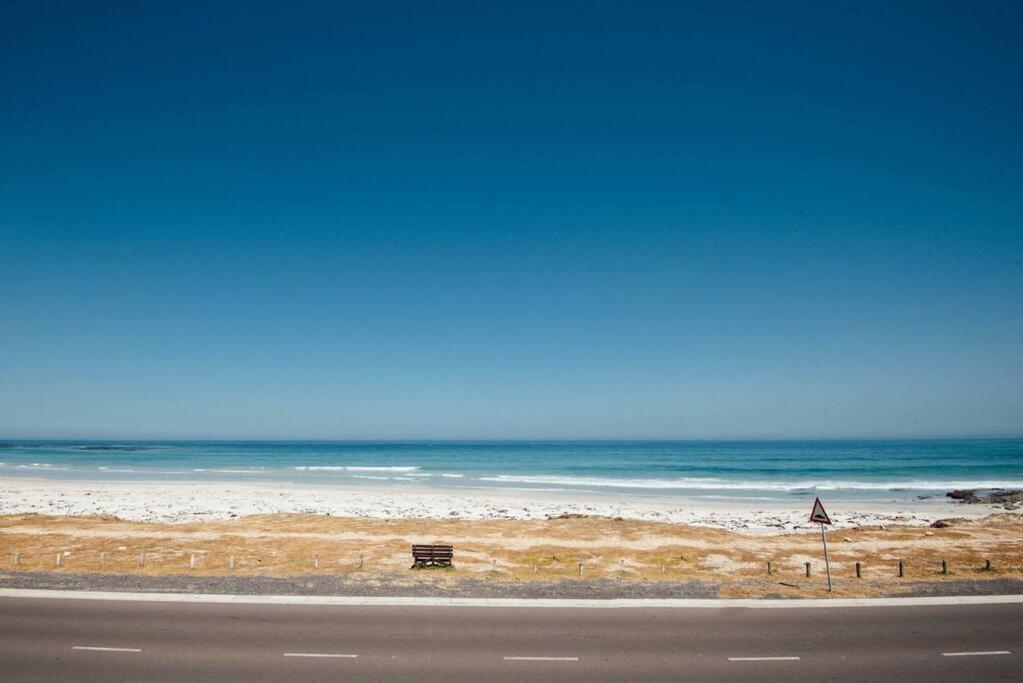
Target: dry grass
286,545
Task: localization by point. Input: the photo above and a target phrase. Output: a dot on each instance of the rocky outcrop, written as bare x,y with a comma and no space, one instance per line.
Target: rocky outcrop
946,523
1010,500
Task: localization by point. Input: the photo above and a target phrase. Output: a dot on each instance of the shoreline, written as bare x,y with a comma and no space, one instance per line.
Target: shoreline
179,502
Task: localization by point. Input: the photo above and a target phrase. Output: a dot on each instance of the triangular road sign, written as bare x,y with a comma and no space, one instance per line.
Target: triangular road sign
818,515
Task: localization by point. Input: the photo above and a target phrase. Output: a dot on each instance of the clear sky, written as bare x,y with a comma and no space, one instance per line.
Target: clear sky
713,220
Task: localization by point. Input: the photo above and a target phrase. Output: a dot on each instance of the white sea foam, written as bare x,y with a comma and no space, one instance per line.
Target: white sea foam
328,468
453,476
382,469
703,496
725,484
521,488
203,469
368,476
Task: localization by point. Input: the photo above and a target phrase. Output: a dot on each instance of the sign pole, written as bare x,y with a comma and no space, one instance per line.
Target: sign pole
821,517
827,564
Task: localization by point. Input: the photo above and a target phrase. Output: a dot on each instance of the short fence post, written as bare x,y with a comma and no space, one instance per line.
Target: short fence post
362,560
142,559
102,559
662,567
944,566
17,558
807,570
230,562
58,559
987,565
493,565
580,569
191,561
859,575
769,570
621,566
534,568
316,561
902,569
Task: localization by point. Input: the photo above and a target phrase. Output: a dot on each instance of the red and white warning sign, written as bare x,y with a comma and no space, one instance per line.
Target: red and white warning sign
818,515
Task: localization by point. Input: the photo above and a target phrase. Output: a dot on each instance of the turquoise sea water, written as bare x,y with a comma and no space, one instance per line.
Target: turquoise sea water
744,470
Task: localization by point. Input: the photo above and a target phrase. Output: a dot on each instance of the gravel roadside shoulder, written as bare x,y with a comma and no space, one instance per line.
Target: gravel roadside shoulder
396,585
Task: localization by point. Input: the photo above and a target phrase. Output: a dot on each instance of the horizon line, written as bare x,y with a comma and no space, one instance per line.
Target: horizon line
766,439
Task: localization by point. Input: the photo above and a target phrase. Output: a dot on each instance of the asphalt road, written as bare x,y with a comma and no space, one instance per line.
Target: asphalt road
47,639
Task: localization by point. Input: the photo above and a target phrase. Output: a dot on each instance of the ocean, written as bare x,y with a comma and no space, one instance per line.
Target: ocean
748,470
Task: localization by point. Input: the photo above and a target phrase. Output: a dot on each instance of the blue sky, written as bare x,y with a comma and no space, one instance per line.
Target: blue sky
577,220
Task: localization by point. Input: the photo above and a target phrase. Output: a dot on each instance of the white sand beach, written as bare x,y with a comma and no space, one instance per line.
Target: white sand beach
207,501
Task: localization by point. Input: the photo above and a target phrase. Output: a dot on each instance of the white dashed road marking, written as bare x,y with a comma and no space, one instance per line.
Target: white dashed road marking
318,654
763,659
975,654
542,659
105,649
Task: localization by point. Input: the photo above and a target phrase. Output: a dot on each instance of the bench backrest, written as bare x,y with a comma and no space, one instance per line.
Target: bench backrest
433,552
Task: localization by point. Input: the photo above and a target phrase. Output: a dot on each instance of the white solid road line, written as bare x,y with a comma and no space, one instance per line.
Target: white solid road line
105,649
542,659
318,654
599,603
975,654
763,659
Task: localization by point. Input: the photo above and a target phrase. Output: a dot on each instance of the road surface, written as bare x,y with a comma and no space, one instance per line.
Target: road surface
58,639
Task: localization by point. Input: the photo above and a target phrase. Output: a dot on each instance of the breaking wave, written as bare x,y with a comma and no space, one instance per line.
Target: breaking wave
328,468
725,484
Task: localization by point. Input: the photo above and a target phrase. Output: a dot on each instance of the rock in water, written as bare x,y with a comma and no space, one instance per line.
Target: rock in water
993,497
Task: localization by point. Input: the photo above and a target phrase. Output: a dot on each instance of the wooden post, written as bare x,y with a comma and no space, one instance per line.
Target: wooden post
316,561
493,565
859,575
230,562
191,561
17,558
58,559
621,566
987,565
142,559
807,570
580,569
534,568
769,570
944,566
902,569
102,559
362,560
662,567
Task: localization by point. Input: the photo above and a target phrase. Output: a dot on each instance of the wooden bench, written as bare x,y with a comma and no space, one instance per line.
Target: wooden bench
432,556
